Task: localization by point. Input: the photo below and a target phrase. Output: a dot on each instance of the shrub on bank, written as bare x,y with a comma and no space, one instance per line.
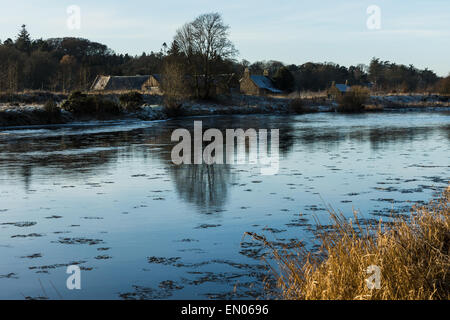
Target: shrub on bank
412,254
296,106
353,100
51,108
52,111
131,101
172,107
82,104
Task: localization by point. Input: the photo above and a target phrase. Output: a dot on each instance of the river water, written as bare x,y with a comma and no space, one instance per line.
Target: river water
107,198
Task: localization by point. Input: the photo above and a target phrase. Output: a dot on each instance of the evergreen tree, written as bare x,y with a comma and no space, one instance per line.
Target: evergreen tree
23,41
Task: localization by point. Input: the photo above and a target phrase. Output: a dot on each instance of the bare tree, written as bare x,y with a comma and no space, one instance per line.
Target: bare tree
205,42
13,78
68,65
174,85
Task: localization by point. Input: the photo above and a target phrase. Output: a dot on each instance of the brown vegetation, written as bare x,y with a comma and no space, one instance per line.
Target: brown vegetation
353,100
131,101
174,86
373,108
297,106
412,254
443,86
53,111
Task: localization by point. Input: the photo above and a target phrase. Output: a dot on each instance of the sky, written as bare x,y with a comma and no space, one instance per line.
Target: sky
294,32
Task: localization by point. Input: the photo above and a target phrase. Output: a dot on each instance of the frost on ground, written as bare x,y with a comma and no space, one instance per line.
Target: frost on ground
26,114
396,101
23,115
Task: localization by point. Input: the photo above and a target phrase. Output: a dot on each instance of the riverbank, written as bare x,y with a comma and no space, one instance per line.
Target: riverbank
27,109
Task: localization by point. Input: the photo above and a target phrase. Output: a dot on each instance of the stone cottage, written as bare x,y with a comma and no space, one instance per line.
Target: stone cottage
257,85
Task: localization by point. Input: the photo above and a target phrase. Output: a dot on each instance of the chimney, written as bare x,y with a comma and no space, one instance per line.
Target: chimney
247,73
266,73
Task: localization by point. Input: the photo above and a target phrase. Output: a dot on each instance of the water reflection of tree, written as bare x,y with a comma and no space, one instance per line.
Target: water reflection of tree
77,156
26,174
205,186
73,156
381,137
378,137
84,155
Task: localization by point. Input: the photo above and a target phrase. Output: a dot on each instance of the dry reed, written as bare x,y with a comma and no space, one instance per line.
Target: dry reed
411,253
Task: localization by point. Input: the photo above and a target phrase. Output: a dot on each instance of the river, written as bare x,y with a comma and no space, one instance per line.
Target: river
107,198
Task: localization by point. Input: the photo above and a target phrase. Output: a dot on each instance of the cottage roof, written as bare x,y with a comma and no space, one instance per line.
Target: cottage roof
342,87
264,82
119,82
100,82
126,83
157,77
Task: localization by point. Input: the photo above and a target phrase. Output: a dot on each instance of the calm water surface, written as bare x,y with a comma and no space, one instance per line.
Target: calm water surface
108,198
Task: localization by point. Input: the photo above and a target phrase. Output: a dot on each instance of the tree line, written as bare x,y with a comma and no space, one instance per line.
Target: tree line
201,49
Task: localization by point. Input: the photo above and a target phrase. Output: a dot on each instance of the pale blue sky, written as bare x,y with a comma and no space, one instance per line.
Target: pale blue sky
412,31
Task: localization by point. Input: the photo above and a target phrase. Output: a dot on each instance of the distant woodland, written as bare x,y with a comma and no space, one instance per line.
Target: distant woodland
68,64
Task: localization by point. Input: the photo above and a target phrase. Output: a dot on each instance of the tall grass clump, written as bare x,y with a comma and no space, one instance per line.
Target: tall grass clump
296,105
412,255
131,101
51,111
354,100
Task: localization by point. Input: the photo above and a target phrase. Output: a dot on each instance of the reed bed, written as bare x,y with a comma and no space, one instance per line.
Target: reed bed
411,254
